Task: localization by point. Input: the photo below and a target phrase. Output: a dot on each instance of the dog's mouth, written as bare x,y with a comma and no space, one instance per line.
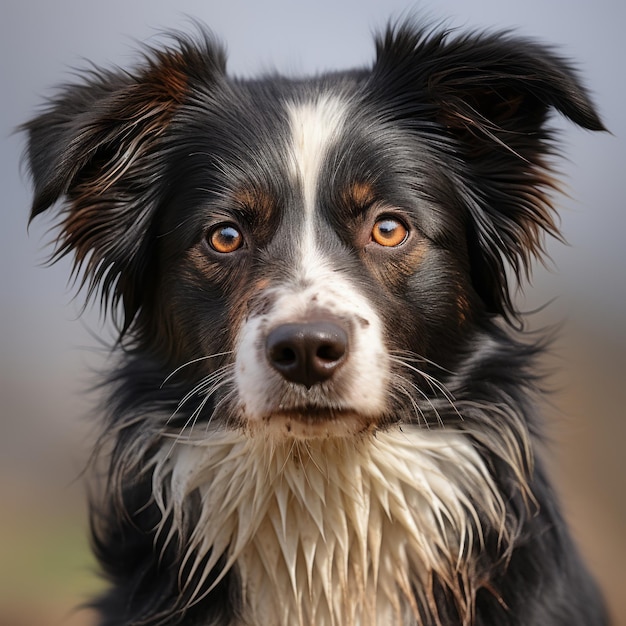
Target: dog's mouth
313,422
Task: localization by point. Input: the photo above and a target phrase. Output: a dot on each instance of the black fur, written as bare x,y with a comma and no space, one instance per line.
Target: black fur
453,129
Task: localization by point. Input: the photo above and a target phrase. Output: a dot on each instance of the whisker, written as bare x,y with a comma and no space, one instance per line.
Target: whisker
225,398
407,356
418,411
205,383
425,396
434,384
206,388
188,363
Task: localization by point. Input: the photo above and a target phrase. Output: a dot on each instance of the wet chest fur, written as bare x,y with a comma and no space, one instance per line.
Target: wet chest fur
333,532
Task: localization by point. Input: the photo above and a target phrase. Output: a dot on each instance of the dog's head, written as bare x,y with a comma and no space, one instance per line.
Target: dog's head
314,251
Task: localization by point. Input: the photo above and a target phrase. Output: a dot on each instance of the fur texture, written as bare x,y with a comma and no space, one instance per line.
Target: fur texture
322,413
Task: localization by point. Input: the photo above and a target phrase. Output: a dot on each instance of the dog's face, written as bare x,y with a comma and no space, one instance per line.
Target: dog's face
328,255
313,255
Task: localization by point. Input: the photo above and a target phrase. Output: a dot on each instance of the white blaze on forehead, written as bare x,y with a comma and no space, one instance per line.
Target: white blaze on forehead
315,127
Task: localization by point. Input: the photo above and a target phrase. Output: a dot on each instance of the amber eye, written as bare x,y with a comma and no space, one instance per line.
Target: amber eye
389,232
225,238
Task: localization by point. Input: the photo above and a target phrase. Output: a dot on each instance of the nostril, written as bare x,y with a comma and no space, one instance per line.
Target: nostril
331,352
284,355
307,353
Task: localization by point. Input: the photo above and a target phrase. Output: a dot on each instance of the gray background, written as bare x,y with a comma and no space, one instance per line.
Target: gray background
47,355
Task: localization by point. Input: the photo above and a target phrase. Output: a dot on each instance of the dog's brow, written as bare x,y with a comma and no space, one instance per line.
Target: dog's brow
359,194
255,199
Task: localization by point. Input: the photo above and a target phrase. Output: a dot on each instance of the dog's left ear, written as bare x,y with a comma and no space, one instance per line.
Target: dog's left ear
99,146
490,94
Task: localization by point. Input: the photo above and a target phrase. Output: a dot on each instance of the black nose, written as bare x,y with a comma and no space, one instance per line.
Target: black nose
307,353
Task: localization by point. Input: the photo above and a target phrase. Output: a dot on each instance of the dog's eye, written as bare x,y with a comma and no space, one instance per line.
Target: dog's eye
389,232
225,238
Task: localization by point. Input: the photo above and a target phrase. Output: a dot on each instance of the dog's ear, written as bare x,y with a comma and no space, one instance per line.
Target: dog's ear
98,146
491,95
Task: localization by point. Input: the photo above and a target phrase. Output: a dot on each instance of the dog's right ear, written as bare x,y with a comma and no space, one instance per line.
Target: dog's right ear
491,95
98,145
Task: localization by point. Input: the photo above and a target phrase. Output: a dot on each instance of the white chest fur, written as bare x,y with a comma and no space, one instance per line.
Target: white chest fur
332,532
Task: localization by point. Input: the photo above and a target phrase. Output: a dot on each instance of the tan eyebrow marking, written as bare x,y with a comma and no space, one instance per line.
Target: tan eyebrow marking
254,198
360,194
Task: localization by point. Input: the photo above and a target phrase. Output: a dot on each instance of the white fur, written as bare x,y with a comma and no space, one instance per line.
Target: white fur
336,532
315,128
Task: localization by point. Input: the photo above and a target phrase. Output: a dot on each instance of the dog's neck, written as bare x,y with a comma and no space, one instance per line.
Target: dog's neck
337,531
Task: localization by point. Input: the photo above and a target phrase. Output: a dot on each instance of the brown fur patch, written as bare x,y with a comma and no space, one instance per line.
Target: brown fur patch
168,77
406,264
463,308
261,284
255,199
359,194
137,115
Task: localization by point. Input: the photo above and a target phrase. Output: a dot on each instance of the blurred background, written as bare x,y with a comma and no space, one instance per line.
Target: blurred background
48,352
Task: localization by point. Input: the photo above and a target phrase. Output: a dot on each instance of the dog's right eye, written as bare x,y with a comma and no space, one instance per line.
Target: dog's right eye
389,232
225,238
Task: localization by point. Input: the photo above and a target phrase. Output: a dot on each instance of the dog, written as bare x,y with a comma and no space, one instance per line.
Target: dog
324,410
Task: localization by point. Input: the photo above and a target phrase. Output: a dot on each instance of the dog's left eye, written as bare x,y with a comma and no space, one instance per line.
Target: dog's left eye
389,232
225,238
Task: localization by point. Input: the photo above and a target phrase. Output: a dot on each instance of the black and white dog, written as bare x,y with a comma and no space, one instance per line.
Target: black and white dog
323,412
